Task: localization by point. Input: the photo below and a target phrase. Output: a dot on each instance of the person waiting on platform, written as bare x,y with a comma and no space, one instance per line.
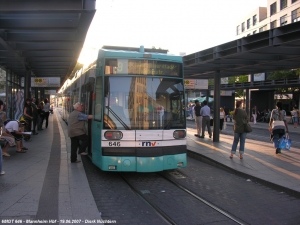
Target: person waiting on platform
27,113
255,113
295,116
239,117
16,129
222,118
46,109
34,116
205,113
198,118
77,131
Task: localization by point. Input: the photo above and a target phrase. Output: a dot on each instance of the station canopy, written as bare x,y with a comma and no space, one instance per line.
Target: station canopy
43,36
272,50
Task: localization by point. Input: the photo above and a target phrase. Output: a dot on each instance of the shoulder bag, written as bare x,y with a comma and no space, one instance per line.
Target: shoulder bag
247,127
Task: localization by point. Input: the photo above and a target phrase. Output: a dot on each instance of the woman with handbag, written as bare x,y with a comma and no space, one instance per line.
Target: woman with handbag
278,125
239,116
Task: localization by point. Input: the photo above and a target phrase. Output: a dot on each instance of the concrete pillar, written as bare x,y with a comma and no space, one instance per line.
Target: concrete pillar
216,127
248,97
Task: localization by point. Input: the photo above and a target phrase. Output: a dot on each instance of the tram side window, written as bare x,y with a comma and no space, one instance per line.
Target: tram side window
98,100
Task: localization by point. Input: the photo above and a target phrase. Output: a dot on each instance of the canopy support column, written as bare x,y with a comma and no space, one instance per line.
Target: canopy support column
216,127
248,104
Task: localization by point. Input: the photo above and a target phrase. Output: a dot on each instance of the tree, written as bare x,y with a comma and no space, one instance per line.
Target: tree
284,74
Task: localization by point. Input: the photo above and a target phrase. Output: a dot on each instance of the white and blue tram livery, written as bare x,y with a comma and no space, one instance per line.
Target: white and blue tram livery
136,96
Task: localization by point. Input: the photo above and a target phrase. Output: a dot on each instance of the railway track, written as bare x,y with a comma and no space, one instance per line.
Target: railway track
159,200
156,194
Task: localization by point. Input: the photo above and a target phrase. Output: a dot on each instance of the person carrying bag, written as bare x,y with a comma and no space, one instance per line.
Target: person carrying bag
240,117
278,125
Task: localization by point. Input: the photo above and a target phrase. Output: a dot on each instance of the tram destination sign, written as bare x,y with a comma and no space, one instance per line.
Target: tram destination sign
143,67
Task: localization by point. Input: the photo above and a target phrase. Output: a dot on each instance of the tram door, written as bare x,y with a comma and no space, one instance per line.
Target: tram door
86,100
90,112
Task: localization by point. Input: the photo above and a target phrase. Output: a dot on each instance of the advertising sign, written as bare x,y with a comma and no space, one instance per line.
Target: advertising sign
189,84
258,76
50,92
222,93
43,81
200,84
224,80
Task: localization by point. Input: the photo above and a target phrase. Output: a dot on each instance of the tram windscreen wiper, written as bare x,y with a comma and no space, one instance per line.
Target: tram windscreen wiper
118,118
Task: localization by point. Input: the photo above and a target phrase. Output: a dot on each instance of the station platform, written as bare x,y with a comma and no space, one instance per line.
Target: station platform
259,163
42,184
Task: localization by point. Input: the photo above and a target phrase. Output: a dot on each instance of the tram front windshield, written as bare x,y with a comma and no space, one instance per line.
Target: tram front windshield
143,103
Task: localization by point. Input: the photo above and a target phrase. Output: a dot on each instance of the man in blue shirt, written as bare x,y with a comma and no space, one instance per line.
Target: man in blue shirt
205,113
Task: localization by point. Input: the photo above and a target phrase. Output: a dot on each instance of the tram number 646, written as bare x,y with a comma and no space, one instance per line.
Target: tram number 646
114,143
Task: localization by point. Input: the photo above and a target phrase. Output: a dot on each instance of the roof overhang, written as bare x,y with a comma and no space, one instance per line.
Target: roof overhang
272,50
45,37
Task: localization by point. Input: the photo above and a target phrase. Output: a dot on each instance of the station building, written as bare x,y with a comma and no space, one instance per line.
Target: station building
278,13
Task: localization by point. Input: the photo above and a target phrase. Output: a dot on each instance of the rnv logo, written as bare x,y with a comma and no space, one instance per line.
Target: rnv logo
148,143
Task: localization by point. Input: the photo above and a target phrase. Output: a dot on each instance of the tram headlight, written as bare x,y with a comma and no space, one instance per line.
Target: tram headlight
177,134
113,135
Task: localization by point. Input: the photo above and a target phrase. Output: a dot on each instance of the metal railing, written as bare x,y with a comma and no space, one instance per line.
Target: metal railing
260,84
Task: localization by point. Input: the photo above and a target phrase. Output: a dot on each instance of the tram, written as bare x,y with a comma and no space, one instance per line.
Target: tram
136,96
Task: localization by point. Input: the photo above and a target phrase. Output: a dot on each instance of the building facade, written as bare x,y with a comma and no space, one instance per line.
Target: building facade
277,13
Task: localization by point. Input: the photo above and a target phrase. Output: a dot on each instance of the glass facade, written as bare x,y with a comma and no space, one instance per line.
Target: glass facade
14,100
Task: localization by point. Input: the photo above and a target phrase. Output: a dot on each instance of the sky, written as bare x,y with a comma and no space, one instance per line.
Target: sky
176,25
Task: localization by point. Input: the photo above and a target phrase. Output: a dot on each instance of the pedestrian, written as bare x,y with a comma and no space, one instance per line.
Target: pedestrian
77,131
240,118
10,141
278,129
41,113
205,113
2,172
254,114
222,118
295,116
16,129
198,118
27,113
193,110
34,115
46,111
